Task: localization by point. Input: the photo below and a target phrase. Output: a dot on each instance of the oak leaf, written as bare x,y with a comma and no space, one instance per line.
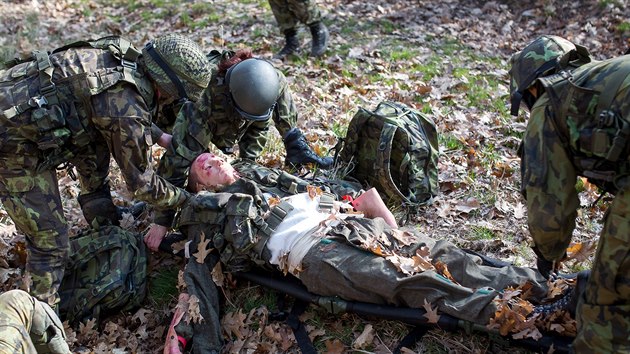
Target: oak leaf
581,251
431,314
193,310
202,249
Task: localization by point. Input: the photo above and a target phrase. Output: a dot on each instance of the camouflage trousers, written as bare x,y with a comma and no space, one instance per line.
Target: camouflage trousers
289,13
33,201
29,326
337,268
603,313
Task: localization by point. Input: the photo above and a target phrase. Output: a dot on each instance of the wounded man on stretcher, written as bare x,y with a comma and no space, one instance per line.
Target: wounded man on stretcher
352,249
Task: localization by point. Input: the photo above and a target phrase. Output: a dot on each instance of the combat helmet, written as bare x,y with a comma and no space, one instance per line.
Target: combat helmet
546,55
254,86
178,65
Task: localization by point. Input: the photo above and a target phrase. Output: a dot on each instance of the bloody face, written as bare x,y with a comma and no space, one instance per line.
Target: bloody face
211,171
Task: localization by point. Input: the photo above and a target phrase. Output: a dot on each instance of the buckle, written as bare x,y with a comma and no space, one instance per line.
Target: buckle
46,90
40,101
129,64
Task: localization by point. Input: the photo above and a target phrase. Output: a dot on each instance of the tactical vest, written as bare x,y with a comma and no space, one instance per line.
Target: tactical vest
238,221
40,106
594,126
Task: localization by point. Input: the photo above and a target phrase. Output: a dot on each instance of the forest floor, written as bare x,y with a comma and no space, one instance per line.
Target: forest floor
447,58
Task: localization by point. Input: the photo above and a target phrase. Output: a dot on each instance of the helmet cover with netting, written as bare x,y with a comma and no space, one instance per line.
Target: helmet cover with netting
178,65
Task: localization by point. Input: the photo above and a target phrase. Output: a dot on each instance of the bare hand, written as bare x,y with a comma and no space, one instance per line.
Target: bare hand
154,236
165,140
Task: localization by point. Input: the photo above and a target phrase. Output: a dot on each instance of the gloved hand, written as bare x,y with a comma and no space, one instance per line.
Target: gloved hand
300,153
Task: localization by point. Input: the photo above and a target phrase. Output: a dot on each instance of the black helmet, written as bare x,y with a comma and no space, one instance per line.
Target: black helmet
178,65
255,87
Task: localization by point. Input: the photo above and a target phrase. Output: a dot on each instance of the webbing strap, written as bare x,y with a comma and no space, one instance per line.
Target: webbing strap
382,164
411,338
47,87
299,330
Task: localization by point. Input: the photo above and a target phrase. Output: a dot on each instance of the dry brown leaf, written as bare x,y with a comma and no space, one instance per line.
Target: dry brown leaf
193,310
581,251
141,315
202,249
313,191
431,315
442,269
181,283
405,237
217,275
233,323
334,346
365,338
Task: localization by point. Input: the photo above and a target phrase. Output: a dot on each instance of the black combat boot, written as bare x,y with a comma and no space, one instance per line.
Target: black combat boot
299,153
320,38
569,300
98,206
291,45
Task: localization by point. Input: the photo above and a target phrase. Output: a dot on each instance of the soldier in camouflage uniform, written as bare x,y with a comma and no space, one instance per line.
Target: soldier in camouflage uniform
245,97
78,105
344,255
28,326
579,125
289,14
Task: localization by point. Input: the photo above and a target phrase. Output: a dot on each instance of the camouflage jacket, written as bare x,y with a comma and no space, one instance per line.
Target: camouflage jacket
580,126
213,119
93,108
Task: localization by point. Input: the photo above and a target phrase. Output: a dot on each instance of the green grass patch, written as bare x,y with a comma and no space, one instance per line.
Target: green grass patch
163,287
481,233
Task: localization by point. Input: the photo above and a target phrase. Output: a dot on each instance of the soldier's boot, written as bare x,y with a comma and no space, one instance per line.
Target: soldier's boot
299,153
569,300
291,44
98,207
320,35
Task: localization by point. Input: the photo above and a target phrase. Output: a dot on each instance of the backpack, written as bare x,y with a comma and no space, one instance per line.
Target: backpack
394,149
106,273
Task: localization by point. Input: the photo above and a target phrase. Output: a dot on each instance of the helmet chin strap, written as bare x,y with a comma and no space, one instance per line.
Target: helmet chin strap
167,69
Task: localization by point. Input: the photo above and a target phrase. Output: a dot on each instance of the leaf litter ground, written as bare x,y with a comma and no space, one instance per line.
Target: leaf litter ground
448,58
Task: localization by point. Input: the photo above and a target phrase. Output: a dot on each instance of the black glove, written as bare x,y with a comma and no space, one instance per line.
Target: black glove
299,153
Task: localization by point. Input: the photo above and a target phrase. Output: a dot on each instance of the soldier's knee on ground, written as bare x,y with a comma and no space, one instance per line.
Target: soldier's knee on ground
47,331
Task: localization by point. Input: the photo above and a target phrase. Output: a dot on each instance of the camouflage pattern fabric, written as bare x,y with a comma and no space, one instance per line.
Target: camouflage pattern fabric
29,326
106,273
566,137
282,183
289,13
214,120
337,267
116,120
394,149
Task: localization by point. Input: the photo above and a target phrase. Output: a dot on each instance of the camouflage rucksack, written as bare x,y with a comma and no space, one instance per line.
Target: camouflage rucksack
394,149
106,273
